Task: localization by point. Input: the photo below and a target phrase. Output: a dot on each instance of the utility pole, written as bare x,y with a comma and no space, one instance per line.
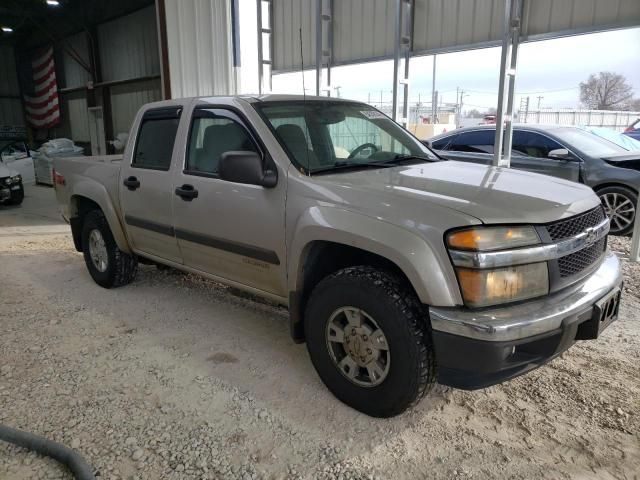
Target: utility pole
369,98
380,99
337,89
540,97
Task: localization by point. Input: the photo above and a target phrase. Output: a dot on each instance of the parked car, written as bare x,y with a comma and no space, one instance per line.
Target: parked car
16,155
633,130
11,188
398,269
561,151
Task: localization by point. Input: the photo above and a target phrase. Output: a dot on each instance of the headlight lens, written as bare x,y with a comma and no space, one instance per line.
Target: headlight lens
481,288
492,238
493,286
6,181
16,179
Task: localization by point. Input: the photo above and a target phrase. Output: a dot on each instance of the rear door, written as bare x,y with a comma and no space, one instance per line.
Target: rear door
530,151
146,190
230,230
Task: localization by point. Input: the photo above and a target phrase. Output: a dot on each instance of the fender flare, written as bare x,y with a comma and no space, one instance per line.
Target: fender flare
429,272
97,193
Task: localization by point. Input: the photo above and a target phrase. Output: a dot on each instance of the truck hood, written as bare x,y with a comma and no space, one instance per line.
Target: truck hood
490,194
6,171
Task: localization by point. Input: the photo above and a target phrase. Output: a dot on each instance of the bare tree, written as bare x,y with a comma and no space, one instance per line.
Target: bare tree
606,91
634,105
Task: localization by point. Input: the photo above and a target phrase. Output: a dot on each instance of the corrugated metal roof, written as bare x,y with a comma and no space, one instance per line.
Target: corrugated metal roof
129,46
364,29
128,98
200,47
289,16
74,75
8,76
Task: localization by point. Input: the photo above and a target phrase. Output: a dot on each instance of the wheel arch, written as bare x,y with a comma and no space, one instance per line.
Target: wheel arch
328,240
87,196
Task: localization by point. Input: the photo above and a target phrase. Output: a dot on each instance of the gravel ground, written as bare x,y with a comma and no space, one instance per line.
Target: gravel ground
177,377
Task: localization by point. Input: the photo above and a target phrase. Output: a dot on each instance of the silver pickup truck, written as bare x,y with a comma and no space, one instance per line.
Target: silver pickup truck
398,269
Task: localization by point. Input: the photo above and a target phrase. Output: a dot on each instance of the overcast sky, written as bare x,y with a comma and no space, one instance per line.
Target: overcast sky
552,69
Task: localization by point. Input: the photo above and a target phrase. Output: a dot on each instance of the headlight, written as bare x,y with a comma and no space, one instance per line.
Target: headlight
481,287
493,238
6,181
16,179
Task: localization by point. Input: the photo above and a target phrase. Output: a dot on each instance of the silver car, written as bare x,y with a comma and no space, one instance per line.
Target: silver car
561,151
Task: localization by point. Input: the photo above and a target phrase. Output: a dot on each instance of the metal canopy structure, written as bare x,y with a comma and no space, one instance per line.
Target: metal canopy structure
359,31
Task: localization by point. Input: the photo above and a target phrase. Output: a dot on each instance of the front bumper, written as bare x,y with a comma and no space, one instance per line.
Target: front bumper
478,348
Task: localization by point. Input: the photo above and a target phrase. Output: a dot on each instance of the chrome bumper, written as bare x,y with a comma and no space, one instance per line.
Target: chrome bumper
532,317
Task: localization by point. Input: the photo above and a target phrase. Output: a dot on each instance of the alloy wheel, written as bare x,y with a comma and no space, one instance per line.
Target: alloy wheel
620,210
358,347
98,250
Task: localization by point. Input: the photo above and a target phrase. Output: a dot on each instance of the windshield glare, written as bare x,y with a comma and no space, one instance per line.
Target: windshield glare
319,135
588,143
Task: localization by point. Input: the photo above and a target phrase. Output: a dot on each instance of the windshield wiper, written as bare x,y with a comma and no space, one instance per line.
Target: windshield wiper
344,164
402,157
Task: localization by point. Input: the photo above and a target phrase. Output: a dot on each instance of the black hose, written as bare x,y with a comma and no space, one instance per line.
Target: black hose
68,457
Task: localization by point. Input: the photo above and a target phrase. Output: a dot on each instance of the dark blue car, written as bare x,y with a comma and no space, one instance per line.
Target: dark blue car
633,130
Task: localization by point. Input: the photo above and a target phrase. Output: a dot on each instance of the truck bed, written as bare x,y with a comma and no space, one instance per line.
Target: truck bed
93,172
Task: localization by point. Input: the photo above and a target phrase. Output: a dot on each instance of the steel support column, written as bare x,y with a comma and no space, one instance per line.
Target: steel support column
403,40
265,63
506,89
324,45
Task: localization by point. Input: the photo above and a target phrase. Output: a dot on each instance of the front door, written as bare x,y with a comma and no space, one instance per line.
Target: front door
146,190
530,151
231,230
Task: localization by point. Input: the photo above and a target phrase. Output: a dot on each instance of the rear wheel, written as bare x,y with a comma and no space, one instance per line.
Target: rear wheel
108,265
620,206
369,341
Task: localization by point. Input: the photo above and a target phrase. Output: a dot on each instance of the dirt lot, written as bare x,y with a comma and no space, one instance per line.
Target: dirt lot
177,377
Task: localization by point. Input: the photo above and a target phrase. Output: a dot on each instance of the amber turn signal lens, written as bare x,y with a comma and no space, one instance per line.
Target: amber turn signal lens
492,238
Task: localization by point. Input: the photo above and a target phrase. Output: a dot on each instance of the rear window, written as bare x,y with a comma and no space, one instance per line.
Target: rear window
479,141
155,143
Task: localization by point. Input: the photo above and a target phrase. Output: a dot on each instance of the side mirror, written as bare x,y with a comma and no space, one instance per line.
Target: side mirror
560,154
245,167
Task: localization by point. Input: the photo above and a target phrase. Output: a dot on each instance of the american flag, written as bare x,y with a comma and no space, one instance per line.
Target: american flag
43,109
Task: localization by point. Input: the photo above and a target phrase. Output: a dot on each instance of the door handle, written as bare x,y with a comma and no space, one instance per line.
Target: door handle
187,192
131,183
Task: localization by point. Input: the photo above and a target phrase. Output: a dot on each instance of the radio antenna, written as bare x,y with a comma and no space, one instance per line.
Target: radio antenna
304,103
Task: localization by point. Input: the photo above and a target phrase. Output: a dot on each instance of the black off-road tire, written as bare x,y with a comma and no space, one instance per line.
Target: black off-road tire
397,311
121,267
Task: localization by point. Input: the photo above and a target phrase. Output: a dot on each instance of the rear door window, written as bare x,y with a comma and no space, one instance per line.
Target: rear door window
157,134
443,143
479,141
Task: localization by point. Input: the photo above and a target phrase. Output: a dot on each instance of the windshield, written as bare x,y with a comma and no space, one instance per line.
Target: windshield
329,135
588,143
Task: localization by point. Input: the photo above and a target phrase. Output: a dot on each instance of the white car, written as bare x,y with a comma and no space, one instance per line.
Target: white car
11,189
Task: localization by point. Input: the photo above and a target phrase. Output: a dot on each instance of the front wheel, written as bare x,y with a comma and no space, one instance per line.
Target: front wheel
369,342
620,205
108,265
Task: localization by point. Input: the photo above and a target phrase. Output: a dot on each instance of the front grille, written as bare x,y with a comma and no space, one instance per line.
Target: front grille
577,262
575,225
